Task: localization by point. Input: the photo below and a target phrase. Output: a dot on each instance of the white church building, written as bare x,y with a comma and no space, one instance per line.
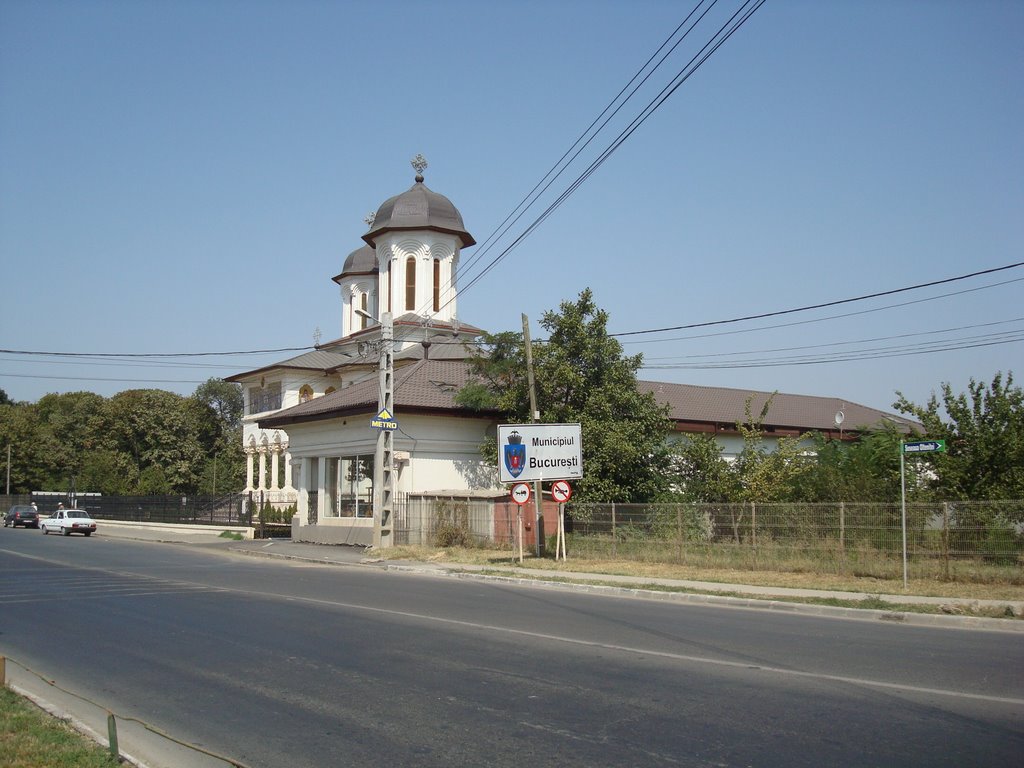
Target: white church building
307,432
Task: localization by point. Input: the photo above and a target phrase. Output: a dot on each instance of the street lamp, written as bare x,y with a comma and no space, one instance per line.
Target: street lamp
384,457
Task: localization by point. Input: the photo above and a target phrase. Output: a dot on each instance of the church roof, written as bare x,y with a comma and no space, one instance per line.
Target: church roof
362,261
320,360
419,208
426,385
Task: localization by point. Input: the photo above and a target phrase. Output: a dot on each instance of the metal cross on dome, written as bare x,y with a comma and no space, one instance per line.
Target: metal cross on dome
419,164
370,218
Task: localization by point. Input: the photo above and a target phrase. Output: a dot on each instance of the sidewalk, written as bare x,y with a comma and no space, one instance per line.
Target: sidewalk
637,586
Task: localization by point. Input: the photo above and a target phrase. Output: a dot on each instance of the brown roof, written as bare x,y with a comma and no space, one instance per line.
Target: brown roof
431,385
426,385
719,405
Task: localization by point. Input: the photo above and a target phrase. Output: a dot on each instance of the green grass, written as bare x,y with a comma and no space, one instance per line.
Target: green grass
30,738
231,535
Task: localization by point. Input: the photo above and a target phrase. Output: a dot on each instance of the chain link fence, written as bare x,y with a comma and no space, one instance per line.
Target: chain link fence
864,538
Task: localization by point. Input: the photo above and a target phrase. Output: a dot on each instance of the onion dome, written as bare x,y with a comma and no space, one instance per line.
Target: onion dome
419,208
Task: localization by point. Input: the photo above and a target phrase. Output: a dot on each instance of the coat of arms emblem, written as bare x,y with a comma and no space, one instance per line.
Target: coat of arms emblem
515,454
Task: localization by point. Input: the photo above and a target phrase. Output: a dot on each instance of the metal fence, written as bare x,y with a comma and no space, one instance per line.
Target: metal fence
446,521
754,534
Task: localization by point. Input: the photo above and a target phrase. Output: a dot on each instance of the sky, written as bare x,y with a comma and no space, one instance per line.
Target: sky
186,177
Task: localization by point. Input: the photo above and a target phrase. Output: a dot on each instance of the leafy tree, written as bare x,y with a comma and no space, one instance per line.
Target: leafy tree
581,376
699,472
4,398
19,427
767,475
984,433
155,428
866,469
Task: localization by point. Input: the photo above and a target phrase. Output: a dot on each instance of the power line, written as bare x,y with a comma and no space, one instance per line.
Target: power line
809,307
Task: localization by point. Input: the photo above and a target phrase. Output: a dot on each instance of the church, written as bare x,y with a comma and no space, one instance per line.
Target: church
307,433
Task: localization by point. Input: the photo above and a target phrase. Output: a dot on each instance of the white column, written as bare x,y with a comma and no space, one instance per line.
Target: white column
321,487
263,468
275,466
288,470
249,452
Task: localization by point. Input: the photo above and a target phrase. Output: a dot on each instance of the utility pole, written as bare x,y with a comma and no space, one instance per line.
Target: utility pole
8,469
384,457
538,499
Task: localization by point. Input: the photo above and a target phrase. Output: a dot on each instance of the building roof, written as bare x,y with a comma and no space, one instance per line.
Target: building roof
426,385
362,261
319,360
720,405
431,385
419,208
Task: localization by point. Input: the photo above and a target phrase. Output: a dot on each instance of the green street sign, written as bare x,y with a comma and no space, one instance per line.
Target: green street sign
925,446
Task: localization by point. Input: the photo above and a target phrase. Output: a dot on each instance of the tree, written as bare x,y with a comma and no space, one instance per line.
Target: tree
581,376
699,472
984,434
866,469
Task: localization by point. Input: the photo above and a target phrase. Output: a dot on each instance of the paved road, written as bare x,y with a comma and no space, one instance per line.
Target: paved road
281,663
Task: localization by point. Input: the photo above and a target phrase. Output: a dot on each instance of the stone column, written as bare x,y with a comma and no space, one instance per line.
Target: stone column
288,469
321,487
275,463
249,453
263,468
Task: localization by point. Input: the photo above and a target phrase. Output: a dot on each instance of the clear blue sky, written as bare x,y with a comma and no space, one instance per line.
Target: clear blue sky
188,176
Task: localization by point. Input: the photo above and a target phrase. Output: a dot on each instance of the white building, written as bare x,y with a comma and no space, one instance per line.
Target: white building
307,432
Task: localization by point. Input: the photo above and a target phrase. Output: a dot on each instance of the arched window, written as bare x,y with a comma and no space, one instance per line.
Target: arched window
305,393
389,284
437,285
362,306
410,284
329,390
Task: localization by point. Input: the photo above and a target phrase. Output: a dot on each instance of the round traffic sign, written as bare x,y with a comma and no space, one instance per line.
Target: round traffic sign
520,493
561,491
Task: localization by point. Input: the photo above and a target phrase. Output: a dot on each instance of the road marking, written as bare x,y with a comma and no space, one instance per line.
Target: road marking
703,660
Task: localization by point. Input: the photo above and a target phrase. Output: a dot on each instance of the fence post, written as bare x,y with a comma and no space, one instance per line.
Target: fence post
613,529
679,529
3,671
842,526
112,735
753,526
945,537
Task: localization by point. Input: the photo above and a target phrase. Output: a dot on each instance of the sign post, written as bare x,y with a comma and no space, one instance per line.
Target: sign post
561,492
920,446
520,494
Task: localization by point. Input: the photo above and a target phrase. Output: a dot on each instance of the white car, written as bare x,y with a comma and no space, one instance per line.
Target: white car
68,521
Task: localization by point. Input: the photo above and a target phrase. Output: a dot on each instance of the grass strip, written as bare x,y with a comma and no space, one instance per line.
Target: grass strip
31,738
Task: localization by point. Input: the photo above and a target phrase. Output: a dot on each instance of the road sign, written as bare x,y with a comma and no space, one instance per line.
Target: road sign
925,446
384,420
520,493
539,452
561,491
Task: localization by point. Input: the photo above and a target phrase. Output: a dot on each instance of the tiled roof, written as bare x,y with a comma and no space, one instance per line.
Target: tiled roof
321,360
690,403
429,385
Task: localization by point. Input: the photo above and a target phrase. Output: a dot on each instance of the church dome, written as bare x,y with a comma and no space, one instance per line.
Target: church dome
419,208
360,261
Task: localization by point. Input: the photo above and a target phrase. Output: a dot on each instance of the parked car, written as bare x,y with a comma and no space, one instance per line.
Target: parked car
68,521
22,514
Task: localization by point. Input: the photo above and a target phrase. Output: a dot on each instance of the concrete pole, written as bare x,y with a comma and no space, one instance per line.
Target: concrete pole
538,498
384,457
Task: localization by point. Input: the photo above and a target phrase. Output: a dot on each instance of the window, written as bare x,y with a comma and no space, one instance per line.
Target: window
330,389
437,285
263,399
305,393
389,286
349,486
362,306
410,284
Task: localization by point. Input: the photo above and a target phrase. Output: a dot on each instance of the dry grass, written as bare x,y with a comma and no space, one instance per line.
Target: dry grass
932,587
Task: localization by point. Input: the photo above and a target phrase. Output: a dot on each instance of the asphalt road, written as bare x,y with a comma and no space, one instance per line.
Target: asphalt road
290,664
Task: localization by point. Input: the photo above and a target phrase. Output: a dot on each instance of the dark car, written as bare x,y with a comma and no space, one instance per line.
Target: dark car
22,514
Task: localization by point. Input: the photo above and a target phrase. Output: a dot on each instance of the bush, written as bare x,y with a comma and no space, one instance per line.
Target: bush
451,526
